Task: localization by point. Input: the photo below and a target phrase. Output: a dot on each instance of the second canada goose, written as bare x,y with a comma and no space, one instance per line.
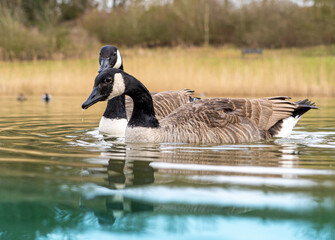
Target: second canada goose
212,120
118,109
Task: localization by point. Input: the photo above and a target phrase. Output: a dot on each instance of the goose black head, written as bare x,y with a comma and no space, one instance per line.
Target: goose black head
110,57
108,84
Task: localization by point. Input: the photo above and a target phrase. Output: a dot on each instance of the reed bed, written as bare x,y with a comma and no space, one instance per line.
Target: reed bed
209,71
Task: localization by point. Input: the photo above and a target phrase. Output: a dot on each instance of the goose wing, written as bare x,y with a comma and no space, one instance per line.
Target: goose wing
225,120
165,102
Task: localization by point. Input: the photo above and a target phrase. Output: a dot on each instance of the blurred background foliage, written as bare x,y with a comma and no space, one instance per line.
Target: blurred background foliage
57,29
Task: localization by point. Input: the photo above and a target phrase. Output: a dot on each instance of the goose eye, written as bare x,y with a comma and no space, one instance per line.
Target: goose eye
108,80
114,53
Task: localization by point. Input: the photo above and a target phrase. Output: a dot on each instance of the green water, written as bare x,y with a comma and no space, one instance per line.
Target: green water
61,179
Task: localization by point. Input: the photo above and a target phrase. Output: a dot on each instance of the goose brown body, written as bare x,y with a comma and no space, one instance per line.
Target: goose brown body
228,120
219,120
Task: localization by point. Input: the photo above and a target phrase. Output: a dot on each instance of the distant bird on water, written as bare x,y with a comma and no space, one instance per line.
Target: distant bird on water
46,97
21,97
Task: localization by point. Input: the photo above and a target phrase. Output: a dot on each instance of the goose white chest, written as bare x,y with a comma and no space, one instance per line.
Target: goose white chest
142,134
115,127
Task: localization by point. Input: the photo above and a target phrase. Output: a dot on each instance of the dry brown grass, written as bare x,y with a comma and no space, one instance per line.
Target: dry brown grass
210,71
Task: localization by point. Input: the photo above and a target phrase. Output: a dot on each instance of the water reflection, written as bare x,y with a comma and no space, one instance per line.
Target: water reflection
170,180
61,179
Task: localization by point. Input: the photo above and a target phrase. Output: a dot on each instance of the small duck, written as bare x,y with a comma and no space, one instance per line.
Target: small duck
21,97
46,97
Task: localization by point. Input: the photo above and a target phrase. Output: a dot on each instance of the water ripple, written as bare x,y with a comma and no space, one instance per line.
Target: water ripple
53,159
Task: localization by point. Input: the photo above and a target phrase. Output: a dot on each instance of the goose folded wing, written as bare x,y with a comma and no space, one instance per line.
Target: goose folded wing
264,112
167,101
226,120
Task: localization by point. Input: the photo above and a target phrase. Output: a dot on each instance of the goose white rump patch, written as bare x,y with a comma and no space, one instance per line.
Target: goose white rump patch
115,127
287,126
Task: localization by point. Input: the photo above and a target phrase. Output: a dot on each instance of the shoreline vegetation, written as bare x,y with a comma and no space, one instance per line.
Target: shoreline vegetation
210,71
52,46
53,29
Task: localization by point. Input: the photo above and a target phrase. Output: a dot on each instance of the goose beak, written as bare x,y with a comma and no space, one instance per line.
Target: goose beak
94,97
104,65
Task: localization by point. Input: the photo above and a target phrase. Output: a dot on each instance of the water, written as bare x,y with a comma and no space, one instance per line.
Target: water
61,179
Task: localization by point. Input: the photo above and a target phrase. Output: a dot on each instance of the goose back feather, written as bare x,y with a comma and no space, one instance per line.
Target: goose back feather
225,120
165,102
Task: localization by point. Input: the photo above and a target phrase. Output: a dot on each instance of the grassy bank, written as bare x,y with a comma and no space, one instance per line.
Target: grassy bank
210,71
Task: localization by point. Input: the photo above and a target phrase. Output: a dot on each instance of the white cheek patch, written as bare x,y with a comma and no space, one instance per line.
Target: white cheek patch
118,87
118,60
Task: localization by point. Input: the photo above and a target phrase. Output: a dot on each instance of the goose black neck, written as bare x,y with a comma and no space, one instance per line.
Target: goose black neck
116,108
143,113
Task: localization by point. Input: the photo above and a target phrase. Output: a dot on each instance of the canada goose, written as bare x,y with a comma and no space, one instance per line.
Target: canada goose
212,120
110,57
114,120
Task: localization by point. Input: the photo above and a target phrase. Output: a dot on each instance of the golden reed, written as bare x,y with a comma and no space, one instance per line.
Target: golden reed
209,71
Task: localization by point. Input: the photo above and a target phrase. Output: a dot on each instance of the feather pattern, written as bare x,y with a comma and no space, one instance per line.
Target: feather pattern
223,120
219,120
165,102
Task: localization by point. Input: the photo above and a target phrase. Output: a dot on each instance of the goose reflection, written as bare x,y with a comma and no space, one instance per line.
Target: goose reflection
237,180
145,164
122,174
261,166
174,188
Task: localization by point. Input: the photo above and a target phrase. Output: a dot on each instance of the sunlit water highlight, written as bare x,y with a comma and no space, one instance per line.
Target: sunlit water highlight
61,179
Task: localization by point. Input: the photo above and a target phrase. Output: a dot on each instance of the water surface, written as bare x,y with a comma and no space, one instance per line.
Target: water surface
61,179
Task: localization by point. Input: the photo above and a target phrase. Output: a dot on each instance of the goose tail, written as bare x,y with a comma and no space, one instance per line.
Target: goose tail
303,107
284,127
